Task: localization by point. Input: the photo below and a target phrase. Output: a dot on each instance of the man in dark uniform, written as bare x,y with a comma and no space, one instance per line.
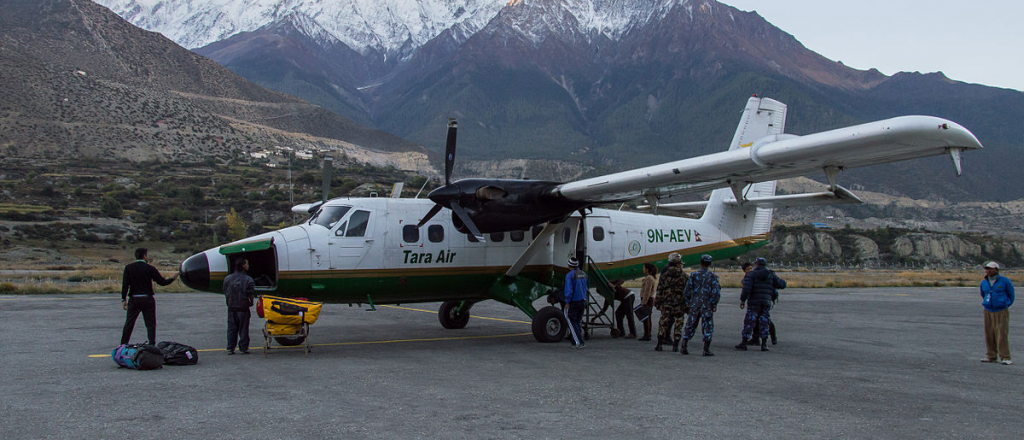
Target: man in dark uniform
137,294
759,288
702,294
239,292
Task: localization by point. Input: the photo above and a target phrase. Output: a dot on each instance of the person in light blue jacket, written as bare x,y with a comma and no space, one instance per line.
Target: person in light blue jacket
996,298
575,301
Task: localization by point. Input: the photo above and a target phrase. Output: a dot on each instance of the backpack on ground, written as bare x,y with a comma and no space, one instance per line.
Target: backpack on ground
178,354
138,356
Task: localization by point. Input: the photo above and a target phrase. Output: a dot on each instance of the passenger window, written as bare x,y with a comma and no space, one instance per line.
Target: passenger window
565,235
410,233
435,233
471,238
598,233
357,224
517,236
498,237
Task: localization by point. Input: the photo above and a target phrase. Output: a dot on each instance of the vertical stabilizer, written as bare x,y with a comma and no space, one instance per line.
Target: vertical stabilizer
762,117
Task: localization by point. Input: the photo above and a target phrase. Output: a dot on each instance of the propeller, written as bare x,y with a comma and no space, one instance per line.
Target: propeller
448,195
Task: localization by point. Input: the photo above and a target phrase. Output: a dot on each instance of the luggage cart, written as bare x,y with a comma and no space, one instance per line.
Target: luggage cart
283,332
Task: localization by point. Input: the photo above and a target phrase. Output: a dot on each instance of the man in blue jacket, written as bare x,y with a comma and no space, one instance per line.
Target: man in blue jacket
760,287
575,301
996,297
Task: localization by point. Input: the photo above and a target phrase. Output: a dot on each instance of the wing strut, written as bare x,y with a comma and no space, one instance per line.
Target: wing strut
539,242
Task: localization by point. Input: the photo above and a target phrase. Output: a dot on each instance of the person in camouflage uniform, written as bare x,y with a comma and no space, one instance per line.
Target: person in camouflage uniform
669,301
702,294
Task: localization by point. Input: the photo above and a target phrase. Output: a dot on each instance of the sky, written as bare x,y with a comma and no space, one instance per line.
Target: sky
979,41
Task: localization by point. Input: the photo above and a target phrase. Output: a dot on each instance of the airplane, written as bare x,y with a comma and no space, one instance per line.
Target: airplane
509,240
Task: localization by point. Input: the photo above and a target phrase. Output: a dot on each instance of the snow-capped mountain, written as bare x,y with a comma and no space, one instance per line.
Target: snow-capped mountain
385,26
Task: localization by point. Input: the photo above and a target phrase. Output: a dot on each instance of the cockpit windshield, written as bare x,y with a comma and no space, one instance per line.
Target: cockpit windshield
328,216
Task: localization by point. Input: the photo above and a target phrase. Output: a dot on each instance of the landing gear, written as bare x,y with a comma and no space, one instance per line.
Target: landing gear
549,325
454,314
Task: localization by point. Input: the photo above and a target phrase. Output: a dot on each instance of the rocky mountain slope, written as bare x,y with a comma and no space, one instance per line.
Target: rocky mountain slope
78,79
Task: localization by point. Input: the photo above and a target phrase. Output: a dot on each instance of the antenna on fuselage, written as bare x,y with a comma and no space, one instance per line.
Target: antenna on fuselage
328,167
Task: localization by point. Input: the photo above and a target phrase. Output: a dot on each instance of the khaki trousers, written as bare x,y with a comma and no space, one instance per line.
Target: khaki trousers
997,334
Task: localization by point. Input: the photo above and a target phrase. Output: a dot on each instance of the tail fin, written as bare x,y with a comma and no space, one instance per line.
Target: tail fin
762,117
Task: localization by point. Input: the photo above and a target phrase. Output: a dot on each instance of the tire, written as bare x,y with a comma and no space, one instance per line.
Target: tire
549,325
290,341
451,317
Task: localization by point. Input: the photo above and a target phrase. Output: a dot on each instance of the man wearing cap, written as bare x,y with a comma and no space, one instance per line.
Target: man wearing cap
759,290
575,300
996,298
702,294
669,301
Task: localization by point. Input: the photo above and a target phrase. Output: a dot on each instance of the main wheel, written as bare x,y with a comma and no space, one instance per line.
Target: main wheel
451,316
549,325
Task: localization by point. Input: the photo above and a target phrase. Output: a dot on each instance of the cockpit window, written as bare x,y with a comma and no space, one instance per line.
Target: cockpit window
328,216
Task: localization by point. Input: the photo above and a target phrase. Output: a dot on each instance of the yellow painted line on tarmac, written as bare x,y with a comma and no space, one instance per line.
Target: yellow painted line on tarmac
57,299
474,316
389,341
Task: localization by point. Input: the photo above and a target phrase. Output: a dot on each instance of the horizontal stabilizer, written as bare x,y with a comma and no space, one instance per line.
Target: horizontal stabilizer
841,196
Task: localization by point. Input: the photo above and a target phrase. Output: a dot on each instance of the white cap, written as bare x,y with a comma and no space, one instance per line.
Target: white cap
992,264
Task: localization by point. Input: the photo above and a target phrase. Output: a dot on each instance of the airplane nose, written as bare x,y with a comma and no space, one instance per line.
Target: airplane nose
195,272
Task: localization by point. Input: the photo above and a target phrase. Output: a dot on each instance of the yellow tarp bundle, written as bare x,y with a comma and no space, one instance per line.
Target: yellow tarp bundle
283,329
290,311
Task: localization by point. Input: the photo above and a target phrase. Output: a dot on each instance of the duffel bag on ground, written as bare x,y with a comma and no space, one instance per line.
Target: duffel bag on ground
138,356
290,311
178,354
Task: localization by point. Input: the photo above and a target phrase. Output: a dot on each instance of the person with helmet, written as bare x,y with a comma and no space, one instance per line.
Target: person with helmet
996,297
576,300
702,294
760,287
670,303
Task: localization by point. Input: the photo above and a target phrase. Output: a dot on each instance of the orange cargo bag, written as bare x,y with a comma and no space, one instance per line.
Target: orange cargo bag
290,311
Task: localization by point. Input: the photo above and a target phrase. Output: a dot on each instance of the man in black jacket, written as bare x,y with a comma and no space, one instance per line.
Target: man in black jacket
137,294
759,290
239,291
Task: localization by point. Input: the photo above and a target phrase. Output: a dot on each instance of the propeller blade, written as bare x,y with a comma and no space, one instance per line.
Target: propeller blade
449,151
430,214
464,216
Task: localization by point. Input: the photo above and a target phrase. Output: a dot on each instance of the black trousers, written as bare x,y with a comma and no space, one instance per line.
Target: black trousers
625,310
238,329
145,305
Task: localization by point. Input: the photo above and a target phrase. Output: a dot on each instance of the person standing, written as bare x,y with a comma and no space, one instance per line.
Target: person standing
759,288
996,297
702,294
755,338
239,293
647,287
575,300
670,303
137,294
626,298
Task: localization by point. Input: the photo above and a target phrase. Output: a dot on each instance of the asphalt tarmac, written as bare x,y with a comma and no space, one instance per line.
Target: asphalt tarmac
850,363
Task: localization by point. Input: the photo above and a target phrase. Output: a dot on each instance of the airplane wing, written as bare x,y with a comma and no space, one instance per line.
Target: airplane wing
761,152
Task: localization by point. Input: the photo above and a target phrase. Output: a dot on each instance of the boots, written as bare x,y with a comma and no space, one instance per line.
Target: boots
660,341
682,348
707,348
754,341
675,345
764,344
743,345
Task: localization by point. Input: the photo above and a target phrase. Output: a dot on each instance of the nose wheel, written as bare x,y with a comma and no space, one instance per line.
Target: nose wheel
454,314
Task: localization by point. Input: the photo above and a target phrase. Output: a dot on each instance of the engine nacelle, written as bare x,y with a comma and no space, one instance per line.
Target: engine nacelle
500,205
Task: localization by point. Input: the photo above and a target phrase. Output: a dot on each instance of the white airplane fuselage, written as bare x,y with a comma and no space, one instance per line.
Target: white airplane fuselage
393,261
